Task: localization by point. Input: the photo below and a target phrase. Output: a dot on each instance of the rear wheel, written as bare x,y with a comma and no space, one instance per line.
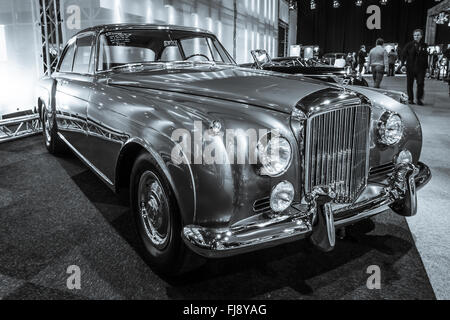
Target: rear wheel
52,142
157,219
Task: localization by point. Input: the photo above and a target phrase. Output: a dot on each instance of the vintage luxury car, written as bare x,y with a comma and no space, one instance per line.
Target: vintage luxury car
127,98
308,68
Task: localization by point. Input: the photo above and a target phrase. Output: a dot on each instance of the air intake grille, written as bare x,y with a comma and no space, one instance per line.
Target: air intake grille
337,151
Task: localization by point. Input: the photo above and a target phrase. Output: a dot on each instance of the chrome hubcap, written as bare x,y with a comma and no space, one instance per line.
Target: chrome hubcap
154,210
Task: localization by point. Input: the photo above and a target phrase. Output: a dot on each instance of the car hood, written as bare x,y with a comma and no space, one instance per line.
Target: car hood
254,87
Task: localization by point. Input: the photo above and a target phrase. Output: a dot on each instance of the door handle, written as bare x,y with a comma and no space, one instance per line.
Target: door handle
64,82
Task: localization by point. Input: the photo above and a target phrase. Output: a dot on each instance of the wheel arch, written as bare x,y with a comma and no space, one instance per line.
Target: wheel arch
45,95
126,160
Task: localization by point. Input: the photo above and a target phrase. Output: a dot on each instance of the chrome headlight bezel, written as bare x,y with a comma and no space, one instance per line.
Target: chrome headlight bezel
274,164
390,129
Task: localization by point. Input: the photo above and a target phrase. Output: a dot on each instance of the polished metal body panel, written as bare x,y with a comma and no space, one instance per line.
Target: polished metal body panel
103,115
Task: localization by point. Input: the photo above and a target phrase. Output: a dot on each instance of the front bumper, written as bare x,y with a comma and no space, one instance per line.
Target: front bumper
316,219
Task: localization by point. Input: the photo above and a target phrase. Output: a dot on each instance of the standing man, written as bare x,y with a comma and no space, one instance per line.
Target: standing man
447,67
416,56
362,54
392,57
378,61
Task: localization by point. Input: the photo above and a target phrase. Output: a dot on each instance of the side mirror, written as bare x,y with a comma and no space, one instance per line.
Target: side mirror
54,52
261,57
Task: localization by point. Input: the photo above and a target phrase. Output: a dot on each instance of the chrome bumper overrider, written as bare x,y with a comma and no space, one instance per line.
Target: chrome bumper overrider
317,217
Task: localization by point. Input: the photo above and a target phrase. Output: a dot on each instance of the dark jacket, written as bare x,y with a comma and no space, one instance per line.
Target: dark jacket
392,57
362,57
447,53
416,57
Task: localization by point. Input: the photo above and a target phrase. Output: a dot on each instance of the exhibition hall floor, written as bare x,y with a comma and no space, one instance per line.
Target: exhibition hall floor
430,228
55,213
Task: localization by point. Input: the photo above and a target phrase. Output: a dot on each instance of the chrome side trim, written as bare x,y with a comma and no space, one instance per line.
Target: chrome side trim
86,161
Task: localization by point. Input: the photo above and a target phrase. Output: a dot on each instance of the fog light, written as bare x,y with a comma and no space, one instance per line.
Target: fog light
404,157
282,196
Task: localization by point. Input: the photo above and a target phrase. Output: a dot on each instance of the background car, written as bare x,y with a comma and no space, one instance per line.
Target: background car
311,68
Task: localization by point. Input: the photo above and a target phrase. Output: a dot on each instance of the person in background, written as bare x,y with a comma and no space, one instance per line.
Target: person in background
416,55
439,65
434,61
355,61
447,75
362,54
378,62
348,62
447,55
392,59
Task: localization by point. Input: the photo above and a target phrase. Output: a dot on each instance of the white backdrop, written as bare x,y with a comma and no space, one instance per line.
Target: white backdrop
20,42
257,20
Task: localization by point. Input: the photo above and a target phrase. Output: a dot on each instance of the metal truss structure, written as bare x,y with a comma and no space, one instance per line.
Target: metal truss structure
19,127
49,21
47,16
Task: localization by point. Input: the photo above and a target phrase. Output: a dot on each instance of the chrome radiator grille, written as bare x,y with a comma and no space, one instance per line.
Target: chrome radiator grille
337,151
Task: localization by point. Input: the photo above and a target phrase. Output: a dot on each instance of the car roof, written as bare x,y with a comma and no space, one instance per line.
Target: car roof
128,26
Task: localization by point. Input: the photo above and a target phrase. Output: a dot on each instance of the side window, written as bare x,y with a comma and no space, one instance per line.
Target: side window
67,60
83,54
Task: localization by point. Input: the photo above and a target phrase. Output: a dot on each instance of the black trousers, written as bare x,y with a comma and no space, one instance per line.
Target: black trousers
419,77
391,72
361,67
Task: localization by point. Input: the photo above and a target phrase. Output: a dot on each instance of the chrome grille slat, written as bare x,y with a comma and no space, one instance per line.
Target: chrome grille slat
338,151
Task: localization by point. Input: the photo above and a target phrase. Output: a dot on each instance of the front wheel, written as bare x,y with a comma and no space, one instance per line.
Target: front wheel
157,219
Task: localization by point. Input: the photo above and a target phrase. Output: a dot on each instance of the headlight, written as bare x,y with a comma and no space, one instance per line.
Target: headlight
275,155
390,129
282,196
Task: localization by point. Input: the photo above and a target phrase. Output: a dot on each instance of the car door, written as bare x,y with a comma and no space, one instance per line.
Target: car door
74,85
105,120
64,109
81,85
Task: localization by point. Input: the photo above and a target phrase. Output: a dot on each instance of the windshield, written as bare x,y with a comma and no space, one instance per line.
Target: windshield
121,48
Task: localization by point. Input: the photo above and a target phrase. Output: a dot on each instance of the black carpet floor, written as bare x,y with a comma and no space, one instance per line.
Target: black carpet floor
54,213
